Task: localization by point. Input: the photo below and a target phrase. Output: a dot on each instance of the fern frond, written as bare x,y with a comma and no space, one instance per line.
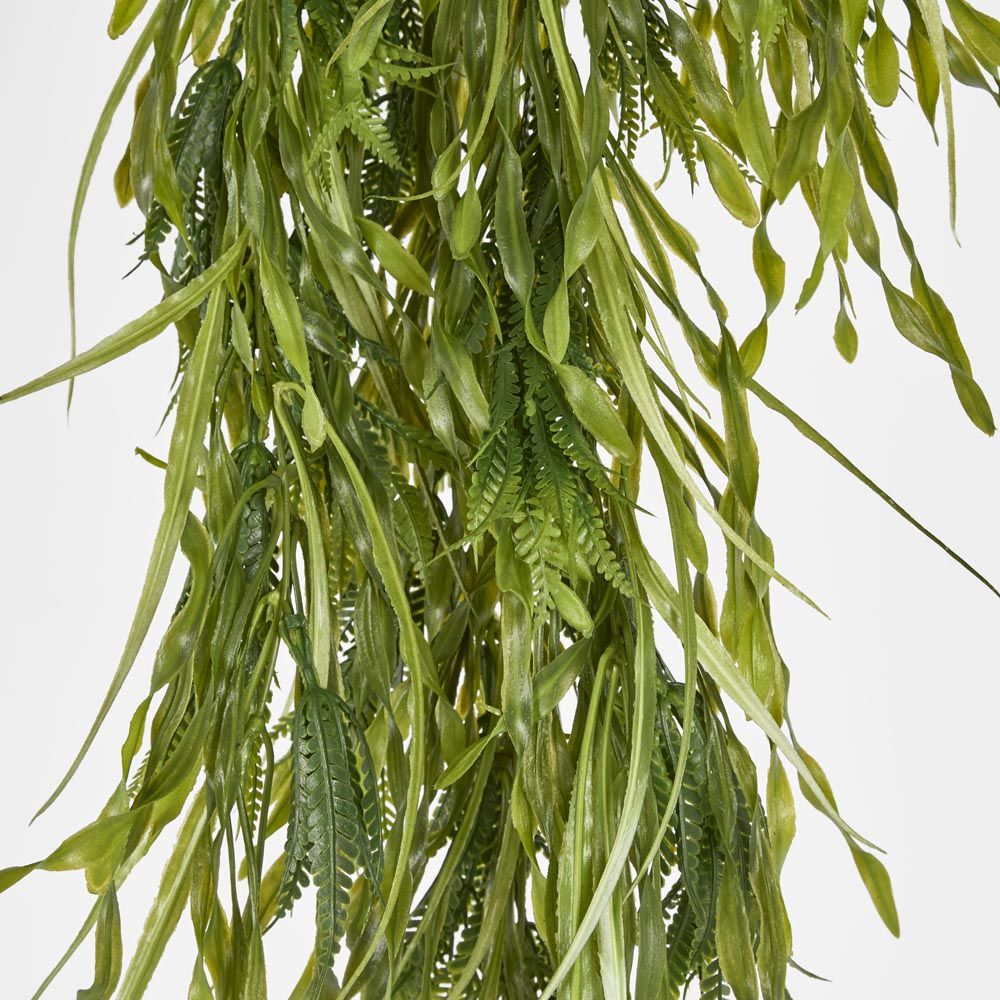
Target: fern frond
681,957
710,981
496,482
595,546
327,816
368,127
195,139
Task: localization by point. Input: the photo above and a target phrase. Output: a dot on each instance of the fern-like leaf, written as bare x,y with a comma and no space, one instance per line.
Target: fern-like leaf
195,141
324,790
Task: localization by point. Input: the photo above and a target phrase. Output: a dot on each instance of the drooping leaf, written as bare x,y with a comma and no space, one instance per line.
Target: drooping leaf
428,327
882,63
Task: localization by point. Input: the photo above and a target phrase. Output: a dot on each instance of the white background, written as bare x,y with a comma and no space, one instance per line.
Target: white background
896,695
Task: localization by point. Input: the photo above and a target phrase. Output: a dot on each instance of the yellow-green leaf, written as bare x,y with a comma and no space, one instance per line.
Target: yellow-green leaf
925,71
582,230
138,331
456,363
395,258
466,223
769,266
879,886
313,419
727,180
882,63
569,605
552,682
239,334
595,411
124,14
819,776
286,317
980,31
835,194
780,811
732,937
845,336
511,227
754,129
798,156
855,12
555,326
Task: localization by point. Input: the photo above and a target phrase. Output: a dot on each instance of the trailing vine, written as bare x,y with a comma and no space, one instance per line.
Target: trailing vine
426,313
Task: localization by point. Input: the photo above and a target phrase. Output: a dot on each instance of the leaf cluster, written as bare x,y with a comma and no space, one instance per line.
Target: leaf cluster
427,313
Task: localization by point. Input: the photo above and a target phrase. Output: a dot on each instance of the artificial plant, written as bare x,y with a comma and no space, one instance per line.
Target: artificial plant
427,317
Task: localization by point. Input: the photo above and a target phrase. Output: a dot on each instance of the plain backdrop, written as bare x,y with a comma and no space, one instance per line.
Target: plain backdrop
896,694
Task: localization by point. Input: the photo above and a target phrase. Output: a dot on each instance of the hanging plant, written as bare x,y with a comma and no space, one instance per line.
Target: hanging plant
427,316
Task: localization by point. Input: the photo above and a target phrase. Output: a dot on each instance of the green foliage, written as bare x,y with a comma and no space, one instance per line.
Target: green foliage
417,285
